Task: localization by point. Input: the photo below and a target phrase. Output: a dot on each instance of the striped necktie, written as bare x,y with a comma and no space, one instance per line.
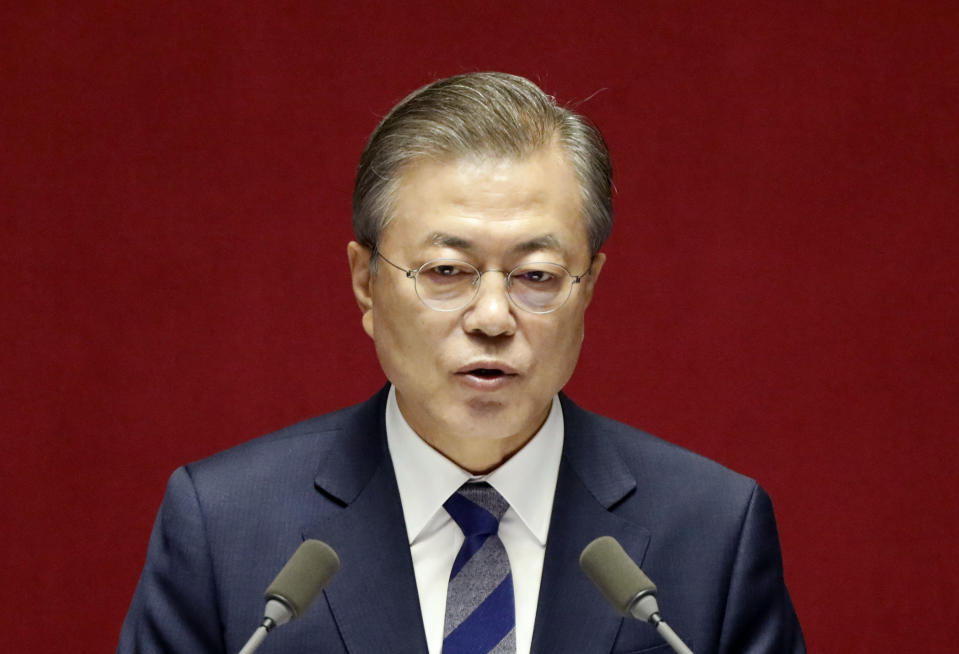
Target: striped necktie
480,616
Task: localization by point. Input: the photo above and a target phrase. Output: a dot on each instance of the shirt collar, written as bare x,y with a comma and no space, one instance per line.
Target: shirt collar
426,478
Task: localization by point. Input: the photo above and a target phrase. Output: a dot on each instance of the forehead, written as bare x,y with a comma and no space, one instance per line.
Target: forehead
489,203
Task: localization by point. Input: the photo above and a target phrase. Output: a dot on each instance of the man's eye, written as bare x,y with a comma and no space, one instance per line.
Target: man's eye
446,273
444,270
536,276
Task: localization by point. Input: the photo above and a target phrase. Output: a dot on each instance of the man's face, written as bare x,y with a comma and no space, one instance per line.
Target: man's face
477,383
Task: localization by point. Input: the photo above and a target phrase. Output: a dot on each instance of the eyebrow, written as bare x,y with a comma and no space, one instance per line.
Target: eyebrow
543,242
443,240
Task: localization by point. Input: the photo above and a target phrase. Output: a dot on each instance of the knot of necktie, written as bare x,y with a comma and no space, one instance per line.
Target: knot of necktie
476,508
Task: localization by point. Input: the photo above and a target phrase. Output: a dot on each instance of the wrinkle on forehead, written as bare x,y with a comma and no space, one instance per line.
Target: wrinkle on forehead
500,187
471,205
534,244
490,183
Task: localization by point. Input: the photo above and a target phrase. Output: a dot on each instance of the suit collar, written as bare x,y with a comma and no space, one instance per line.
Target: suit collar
593,458
373,598
572,615
348,460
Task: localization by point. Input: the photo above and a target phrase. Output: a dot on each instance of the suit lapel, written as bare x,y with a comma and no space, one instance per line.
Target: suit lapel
572,615
373,598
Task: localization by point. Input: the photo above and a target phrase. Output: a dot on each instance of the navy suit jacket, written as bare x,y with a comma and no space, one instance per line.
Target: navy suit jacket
704,534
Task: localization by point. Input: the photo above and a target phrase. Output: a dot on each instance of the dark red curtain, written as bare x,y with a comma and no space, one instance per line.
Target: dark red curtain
780,293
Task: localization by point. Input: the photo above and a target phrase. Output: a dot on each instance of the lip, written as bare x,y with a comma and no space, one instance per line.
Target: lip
487,364
468,375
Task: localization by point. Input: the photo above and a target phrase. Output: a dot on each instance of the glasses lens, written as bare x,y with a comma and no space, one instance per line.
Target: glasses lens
446,284
539,287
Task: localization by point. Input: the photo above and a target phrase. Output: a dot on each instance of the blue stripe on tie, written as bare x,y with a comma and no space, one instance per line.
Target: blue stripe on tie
471,546
487,625
475,521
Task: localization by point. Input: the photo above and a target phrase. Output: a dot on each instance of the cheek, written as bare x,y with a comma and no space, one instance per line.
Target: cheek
557,348
407,340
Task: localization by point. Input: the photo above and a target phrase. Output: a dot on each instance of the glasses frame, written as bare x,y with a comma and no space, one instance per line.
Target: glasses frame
411,273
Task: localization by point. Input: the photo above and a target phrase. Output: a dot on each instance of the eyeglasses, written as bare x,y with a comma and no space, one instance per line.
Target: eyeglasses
450,284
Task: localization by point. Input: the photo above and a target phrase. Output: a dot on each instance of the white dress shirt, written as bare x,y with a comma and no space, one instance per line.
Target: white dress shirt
426,479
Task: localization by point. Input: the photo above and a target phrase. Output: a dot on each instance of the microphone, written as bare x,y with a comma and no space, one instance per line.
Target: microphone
626,587
295,587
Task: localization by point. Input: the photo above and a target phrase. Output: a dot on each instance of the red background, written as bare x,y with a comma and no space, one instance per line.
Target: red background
780,293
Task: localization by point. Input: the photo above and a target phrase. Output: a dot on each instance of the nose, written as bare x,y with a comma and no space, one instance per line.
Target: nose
491,312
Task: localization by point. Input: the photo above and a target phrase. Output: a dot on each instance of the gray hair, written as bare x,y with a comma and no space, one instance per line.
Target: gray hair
479,115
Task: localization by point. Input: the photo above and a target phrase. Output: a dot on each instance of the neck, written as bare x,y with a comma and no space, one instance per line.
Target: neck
479,447
478,456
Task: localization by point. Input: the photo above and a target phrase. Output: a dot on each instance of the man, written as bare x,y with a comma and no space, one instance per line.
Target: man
460,497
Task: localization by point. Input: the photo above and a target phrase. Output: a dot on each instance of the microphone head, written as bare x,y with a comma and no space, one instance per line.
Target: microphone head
621,581
304,576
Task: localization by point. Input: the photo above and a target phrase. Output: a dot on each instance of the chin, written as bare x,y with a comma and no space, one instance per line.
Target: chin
490,420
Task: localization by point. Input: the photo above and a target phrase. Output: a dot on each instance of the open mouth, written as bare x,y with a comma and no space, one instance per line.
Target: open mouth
486,373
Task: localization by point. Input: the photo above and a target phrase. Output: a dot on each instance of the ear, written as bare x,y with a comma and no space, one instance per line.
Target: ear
595,269
359,257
